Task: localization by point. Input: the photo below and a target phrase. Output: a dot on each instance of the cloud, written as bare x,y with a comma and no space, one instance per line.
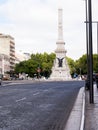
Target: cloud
34,25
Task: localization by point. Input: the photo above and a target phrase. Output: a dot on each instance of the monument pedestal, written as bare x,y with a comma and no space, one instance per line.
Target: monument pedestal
60,73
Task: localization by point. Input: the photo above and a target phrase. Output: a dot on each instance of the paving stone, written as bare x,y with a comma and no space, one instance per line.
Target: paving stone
91,111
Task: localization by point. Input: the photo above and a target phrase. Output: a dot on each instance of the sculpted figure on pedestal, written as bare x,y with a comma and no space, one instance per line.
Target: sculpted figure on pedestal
60,61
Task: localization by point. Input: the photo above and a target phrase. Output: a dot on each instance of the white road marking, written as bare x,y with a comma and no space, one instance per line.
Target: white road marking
1,106
21,99
36,93
46,90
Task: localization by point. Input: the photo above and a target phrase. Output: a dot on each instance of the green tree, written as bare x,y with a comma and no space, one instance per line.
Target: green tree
95,63
71,64
47,64
81,65
44,62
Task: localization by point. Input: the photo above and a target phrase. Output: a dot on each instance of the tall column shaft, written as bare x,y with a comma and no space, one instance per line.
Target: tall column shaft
60,24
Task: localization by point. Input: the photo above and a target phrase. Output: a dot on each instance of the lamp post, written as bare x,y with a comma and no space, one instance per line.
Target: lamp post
90,51
87,41
89,48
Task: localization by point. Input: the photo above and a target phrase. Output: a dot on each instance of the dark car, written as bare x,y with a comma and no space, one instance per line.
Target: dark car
1,76
87,81
94,77
96,80
87,84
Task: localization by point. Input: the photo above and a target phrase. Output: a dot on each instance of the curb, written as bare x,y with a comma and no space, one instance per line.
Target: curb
83,112
77,115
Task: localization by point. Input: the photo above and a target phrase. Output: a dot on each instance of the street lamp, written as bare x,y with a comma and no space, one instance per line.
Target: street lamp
90,51
89,48
87,42
91,61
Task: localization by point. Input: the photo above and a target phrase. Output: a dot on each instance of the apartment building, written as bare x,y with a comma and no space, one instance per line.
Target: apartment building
7,48
4,64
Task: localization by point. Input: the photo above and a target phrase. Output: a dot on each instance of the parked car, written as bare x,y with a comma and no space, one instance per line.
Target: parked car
87,81
96,80
1,76
87,84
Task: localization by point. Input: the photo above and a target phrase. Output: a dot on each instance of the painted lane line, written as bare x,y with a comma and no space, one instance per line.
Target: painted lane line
21,99
46,90
36,93
83,112
1,106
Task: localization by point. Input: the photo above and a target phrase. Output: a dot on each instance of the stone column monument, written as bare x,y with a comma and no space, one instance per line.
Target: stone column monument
60,69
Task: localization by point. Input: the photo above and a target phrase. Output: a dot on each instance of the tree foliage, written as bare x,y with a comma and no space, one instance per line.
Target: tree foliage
81,63
71,64
37,62
95,63
44,62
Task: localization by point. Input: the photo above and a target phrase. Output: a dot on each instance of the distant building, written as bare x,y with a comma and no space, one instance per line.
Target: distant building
4,64
21,56
7,51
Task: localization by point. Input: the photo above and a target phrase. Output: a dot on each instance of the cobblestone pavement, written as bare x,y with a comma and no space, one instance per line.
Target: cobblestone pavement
91,112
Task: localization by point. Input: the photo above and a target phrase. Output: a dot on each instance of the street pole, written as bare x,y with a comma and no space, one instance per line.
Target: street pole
90,52
97,38
87,39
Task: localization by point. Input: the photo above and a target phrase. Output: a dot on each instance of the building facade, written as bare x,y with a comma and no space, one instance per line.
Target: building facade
7,49
4,64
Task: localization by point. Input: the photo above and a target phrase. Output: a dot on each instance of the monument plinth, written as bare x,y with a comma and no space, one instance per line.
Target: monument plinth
60,69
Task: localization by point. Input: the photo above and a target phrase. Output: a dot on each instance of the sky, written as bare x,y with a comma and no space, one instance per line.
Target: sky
34,25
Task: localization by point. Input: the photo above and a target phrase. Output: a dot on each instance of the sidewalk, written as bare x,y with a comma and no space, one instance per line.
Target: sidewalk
91,111
76,118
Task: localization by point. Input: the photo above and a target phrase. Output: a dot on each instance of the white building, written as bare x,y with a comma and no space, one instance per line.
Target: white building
7,51
21,56
4,64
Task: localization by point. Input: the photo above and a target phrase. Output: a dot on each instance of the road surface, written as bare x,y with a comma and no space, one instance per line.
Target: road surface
37,106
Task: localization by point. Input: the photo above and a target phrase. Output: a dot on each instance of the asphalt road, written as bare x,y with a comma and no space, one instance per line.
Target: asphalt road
37,106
